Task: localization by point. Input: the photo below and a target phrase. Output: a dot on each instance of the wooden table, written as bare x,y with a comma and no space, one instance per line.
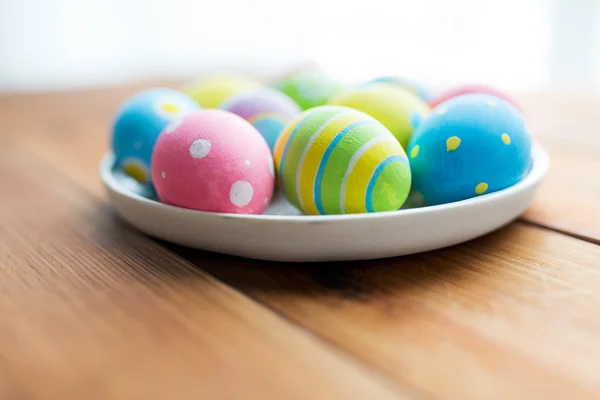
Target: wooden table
92,309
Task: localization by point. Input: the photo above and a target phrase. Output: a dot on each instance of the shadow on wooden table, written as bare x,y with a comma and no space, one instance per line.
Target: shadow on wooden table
358,280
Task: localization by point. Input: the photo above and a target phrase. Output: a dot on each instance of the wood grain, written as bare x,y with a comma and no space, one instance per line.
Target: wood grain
567,124
511,315
93,310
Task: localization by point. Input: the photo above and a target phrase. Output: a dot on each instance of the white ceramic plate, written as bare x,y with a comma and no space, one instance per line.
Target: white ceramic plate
283,234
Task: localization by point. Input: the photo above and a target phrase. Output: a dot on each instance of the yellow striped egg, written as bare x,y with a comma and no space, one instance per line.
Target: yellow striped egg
338,160
393,106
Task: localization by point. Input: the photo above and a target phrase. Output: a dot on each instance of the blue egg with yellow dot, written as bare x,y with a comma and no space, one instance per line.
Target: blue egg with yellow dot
468,146
139,122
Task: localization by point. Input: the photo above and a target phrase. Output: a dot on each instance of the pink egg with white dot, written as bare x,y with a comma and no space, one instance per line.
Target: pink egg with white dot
213,160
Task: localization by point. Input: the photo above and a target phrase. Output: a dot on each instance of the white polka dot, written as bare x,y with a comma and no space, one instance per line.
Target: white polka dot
491,103
266,200
200,148
163,174
137,145
271,166
247,162
442,110
173,126
241,193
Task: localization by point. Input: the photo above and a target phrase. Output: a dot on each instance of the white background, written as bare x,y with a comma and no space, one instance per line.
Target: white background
515,44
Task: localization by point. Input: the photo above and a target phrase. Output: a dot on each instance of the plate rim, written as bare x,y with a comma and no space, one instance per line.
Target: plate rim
541,165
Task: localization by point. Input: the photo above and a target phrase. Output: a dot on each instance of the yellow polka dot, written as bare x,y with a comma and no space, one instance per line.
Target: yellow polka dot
491,103
481,188
170,108
137,171
414,151
452,143
506,138
441,110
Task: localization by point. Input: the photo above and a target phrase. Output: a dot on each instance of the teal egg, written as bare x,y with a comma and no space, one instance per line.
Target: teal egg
468,146
139,122
270,127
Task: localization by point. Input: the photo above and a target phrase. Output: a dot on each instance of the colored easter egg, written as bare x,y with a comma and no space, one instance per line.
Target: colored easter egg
139,122
411,85
393,106
469,89
213,160
337,160
212,91
469,146
268,110
308,87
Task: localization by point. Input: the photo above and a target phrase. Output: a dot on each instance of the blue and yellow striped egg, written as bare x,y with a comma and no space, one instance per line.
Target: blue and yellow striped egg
468,146
337,160
139,122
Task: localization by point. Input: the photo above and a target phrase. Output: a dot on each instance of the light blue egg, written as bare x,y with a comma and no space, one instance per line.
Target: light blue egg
139,122
270,127
468,146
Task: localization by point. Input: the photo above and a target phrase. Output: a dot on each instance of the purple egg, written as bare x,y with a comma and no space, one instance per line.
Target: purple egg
260,107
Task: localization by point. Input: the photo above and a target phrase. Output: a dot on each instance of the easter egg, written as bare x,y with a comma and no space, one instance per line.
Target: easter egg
308,87
469,89
337,160
212,91
139,122
393,106
268,110
213,160
469,146
405,83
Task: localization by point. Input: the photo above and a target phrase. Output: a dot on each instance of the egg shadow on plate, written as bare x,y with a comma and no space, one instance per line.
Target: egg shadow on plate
351,280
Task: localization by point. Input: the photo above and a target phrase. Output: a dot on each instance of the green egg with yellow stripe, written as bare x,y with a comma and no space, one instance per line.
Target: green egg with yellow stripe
338,160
